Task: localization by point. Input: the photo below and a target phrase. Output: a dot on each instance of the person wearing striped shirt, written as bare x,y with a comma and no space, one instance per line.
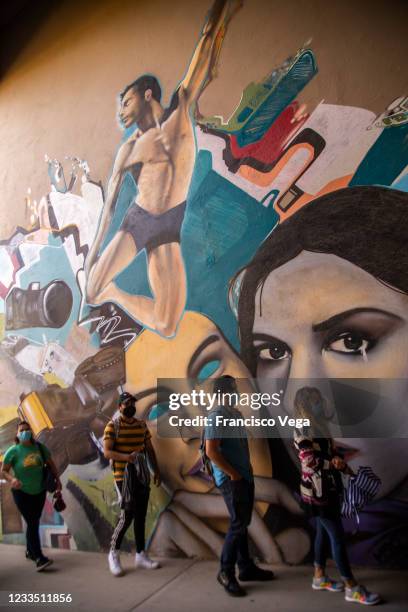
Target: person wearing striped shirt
123,440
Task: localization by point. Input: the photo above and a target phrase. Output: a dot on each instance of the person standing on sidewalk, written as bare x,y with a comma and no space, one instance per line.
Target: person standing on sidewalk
124,439
27,459
321,493
227,448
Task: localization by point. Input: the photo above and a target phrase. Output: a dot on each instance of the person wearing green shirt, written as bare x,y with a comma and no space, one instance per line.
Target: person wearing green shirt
27,458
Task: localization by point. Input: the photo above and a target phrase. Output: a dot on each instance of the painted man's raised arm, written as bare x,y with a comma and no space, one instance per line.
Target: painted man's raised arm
203,63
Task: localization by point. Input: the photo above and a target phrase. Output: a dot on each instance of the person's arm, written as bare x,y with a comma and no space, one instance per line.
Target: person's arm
54,472
109,453
153,460
203,63
114,185
212,450
5,472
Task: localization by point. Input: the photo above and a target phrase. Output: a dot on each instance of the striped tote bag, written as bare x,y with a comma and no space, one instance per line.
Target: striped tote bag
360,490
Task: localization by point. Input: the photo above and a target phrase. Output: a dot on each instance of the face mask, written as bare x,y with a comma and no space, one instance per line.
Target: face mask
129,411
24,436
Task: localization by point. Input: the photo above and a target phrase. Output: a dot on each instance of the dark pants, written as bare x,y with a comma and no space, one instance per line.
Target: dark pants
330,533
136,513
31,507
239,498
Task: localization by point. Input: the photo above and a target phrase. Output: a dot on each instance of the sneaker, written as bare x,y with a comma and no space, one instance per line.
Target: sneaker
253,573
114,563
324,583
143,560
359,594
230,585
42,563
29,556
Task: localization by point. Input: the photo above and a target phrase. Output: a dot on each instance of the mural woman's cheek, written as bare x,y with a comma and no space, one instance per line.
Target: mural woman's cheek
388,458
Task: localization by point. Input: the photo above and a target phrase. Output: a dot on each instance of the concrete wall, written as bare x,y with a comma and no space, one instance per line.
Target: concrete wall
64,82
71,339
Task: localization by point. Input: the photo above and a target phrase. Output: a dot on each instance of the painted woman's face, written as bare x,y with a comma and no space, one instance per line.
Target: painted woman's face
324,318
198,351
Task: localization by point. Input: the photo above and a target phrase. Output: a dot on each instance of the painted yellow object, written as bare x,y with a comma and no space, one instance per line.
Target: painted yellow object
53,379
32,410
7,413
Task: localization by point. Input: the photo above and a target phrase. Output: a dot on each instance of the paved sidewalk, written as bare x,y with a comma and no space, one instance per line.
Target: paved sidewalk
181,585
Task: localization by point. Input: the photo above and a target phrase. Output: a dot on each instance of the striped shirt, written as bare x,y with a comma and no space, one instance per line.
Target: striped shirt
132,437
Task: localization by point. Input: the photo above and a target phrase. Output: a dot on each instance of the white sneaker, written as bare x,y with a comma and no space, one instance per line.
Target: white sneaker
114,563
143,560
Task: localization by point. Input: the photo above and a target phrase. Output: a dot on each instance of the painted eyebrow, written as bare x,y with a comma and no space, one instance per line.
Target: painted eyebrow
151,391
339,318
266,337
199,350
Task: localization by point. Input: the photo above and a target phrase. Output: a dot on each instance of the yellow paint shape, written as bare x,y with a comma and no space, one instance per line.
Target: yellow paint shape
52,379
7,414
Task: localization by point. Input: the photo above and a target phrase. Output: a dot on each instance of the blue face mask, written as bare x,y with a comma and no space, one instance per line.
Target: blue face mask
24,436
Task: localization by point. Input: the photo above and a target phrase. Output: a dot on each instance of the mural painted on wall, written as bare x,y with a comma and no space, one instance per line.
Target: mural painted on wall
102,292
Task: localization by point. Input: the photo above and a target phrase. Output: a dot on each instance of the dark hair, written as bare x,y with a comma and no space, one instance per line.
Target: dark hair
16,439
142,84
367,226
305,401
225,384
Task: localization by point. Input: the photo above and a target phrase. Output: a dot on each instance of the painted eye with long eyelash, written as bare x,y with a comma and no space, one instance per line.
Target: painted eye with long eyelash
352,343
275,350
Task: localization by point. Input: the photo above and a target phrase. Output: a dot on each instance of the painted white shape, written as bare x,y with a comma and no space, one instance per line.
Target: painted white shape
344,129
6,267
56,360
50,358
216,146
348,139
76,260
30,254
31,357
82,211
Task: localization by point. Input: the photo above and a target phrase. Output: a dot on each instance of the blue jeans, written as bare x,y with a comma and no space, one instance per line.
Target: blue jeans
330,532
239,499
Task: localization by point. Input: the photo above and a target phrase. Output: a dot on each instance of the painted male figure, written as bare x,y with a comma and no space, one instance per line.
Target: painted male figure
160,154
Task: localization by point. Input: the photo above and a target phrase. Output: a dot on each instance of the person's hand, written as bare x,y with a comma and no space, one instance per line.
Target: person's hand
132,456
157,479
236,476
338,463
16,483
